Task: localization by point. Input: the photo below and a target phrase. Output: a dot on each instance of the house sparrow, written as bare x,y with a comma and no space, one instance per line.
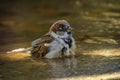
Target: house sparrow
56,43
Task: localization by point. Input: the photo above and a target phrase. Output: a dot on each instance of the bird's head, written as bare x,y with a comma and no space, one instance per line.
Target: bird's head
60,27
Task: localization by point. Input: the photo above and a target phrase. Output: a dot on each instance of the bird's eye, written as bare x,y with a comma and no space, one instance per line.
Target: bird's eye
62,27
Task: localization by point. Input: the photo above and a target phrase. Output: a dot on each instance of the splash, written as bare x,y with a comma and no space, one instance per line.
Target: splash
27,50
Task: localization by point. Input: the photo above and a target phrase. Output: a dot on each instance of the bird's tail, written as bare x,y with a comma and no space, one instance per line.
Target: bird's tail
26,50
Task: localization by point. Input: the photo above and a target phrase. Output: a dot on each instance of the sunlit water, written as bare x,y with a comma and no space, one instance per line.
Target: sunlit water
96,31
44,69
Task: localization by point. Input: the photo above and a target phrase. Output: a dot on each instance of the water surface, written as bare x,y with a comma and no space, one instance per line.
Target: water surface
96,30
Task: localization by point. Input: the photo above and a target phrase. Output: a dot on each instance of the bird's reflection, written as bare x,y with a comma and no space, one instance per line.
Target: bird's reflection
63,67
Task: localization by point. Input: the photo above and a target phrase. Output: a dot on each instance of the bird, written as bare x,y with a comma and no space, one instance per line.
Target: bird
57,42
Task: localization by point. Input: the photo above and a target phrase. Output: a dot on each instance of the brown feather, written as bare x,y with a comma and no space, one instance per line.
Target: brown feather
40,50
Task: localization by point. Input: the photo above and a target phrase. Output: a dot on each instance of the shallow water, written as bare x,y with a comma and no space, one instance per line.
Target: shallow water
96,30
58,69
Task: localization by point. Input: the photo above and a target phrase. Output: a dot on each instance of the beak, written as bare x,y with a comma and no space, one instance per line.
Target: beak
69,29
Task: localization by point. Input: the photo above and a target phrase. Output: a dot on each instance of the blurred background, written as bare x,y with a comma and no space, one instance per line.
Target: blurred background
22,21
96,26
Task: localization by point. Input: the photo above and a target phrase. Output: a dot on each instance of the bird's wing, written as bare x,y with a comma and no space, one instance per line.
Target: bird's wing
39,48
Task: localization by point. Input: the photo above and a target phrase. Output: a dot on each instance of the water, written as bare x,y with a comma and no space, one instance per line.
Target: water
58,69
96,30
